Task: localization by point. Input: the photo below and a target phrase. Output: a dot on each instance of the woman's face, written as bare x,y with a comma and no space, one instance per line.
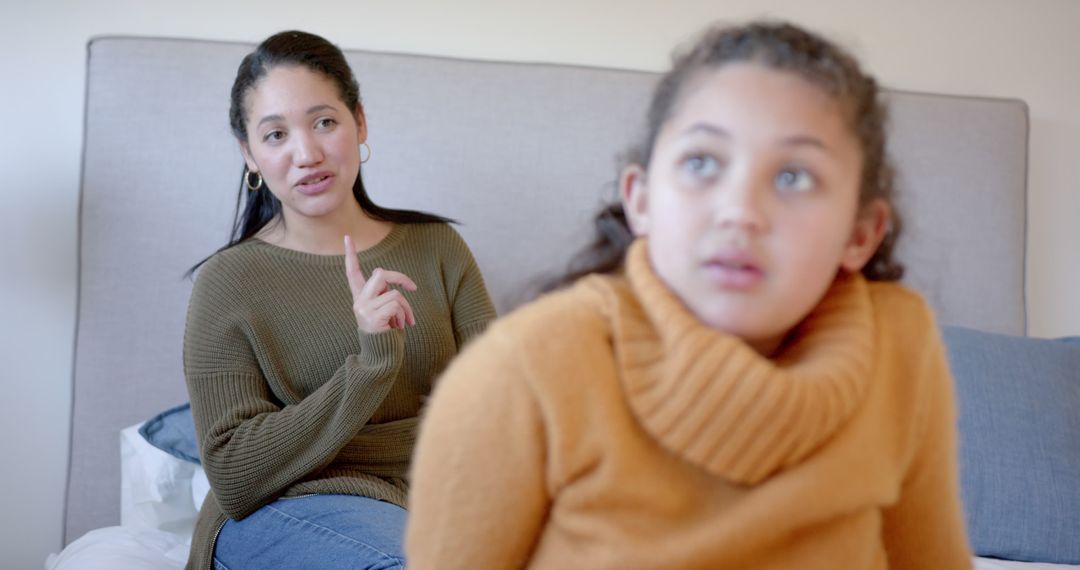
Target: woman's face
750,201
304,142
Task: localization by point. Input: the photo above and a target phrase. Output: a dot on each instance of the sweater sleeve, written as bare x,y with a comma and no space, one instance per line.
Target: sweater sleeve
471,309
478,496
252,446
925,529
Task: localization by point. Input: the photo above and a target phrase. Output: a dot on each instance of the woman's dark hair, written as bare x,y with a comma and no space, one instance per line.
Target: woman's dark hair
258,207
779,46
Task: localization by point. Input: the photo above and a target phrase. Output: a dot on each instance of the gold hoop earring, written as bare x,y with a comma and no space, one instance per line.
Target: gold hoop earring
362,159
247,180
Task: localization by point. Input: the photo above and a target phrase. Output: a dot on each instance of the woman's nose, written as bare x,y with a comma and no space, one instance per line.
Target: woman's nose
306,151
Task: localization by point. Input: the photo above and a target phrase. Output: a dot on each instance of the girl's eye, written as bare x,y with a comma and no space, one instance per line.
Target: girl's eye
325,122
701,166
274,136
795,180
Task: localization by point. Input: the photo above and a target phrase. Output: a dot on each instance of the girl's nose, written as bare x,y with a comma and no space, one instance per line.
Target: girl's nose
741,204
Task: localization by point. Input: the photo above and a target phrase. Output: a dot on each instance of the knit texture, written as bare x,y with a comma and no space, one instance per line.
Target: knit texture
289,397
745,418
620,432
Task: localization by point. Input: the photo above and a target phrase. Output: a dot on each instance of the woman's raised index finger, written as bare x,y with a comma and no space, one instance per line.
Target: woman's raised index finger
352,268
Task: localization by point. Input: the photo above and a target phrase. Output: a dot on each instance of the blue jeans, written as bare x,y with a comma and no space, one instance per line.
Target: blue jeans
315,532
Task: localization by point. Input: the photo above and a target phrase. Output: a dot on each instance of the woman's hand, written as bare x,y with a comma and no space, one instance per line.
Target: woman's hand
377,307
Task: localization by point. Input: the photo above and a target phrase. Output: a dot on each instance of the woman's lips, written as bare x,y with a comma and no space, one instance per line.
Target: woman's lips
315,183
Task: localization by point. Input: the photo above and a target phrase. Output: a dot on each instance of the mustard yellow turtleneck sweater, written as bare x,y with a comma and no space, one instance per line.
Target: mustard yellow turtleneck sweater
605,427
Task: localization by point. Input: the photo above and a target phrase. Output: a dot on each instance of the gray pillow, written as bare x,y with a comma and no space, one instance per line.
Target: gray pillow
173,431
1019,405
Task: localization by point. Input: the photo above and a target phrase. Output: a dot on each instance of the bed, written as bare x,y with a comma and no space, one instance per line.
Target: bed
521,154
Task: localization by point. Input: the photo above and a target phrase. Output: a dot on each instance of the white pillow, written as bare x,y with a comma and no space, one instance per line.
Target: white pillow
155,487
200,486
122,548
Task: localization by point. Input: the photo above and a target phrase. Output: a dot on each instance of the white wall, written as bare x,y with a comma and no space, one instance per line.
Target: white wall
1026,49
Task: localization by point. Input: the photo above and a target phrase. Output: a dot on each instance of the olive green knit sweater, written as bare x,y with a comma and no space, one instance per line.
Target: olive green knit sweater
289,398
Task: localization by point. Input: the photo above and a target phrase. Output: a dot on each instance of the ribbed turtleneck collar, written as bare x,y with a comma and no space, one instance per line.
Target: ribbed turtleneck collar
713,400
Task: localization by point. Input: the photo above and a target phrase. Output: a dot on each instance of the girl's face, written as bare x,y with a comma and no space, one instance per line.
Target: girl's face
304,142
750,202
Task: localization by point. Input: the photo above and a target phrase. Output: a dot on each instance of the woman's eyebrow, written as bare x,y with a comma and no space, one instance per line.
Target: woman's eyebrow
310,111
269,118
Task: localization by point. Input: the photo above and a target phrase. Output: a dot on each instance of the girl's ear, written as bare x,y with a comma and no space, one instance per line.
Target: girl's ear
870,228
635,199
248,159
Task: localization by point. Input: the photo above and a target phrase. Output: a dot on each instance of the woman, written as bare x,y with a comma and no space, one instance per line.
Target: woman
306,411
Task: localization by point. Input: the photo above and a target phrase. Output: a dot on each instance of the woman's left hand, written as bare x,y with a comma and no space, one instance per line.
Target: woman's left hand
377,306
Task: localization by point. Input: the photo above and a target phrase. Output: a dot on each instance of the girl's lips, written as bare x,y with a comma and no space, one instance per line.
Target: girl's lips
314,184
733,274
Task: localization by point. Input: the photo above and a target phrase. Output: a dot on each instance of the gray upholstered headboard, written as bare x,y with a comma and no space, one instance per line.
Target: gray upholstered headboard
521,154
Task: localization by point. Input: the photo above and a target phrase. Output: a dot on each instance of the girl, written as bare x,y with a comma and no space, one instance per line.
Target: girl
306,410
739,383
